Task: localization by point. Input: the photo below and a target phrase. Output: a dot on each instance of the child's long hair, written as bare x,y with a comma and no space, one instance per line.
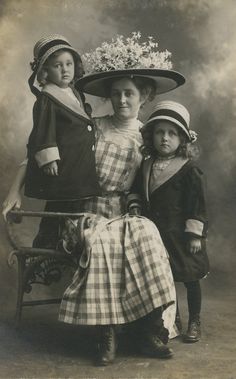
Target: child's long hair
186,149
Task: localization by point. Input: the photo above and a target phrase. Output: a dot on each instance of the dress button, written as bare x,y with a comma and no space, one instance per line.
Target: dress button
93,148
89,128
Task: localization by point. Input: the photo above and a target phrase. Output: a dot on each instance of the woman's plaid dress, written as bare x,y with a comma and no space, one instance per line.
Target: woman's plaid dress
128,275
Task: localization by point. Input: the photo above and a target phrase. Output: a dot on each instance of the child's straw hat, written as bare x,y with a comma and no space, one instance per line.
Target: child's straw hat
45,47
174,112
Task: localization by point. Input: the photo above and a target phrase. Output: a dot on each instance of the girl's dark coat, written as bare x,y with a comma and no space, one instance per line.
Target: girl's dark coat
57,125
180,198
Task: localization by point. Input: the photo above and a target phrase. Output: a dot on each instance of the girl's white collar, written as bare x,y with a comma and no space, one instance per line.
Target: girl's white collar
65,99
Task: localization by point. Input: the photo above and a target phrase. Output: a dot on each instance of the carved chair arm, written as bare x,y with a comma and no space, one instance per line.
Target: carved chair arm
15,217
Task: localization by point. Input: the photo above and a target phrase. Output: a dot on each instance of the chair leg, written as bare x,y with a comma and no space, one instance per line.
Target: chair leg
20,292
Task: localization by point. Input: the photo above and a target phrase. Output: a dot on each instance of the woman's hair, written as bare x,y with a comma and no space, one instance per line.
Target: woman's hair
186,149
146,86
79,69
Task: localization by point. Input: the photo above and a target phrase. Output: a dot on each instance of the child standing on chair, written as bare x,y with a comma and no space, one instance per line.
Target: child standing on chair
174,193
61,146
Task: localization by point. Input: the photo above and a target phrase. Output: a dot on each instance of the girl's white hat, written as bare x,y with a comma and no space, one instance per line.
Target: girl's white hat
174,112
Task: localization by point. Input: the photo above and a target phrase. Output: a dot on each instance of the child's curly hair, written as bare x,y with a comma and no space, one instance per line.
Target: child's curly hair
186,149
79,68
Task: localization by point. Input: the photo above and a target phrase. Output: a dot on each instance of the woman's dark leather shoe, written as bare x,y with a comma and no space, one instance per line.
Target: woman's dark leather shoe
107,346
154,347
194,332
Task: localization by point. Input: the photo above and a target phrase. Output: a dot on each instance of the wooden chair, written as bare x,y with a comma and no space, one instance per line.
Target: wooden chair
38,265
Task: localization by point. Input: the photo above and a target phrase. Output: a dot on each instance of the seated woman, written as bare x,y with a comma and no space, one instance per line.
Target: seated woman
126,278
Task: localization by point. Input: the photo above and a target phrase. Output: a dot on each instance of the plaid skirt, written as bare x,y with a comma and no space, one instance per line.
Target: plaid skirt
123,274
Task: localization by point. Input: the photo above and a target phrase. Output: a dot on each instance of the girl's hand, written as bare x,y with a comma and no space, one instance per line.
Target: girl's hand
13,201
195,245
51,169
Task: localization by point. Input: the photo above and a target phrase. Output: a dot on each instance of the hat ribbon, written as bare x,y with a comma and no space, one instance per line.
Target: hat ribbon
31,80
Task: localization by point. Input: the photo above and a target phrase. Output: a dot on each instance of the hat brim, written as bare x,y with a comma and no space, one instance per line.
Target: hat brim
165,80
52,50
152,120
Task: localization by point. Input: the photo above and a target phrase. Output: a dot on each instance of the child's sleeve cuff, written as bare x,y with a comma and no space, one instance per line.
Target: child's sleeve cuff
195,227
47,155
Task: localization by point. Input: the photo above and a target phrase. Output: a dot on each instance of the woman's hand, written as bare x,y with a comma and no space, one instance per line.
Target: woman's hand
12,201
135,211
51,168
195,245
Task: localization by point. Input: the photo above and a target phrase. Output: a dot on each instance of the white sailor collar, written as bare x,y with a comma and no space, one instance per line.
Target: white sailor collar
65,99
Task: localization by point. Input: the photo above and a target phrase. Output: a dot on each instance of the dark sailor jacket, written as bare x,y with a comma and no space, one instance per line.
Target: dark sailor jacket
62,132
177,202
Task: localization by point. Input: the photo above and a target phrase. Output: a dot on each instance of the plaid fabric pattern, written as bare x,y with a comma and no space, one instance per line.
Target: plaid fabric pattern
110,205
117,156
128,274
114,165
124,271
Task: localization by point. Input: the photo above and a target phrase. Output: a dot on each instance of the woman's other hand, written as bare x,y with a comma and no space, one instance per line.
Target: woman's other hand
51,169
12,201
195,245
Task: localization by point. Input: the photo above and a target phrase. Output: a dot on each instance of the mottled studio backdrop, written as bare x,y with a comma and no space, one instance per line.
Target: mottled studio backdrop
201,35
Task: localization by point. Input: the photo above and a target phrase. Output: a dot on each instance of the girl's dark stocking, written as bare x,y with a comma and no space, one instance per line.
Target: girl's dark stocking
194,299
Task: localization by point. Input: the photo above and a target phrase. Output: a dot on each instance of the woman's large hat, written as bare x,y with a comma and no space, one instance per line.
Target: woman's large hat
96,84
128,58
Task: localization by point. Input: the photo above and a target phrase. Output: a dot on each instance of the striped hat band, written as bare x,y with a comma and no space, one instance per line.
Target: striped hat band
170,114
173,112
49,45
45,41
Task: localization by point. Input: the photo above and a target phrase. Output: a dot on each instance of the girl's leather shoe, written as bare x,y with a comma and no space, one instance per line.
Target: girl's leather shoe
194,332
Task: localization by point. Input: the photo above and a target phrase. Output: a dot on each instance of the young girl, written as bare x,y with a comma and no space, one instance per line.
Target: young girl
174,193
61,159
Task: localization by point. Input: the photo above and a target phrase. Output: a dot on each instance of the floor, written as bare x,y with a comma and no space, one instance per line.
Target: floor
43,348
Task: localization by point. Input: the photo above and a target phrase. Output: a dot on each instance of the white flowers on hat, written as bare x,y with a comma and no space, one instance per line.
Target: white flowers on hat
127,53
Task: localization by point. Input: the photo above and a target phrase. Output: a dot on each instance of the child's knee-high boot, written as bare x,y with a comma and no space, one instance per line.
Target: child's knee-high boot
194,330
194,305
